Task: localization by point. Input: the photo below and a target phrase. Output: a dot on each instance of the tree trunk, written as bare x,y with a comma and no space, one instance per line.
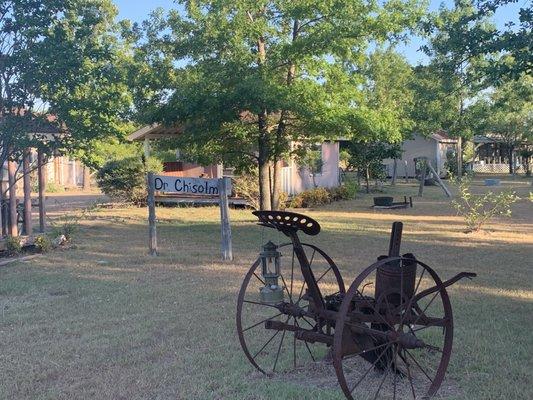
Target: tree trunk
510,153
13,227
276,184
264,165
367,179
86,178
459,157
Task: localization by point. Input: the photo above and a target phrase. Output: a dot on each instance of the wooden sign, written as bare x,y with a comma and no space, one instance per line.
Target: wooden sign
194,186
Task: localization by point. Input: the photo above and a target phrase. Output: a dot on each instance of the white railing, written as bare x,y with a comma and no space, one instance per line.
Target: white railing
286,180
497,168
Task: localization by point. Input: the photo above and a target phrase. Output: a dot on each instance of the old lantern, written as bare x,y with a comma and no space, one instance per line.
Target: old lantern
272,292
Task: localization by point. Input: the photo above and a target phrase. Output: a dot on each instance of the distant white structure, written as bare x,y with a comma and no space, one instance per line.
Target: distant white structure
434,147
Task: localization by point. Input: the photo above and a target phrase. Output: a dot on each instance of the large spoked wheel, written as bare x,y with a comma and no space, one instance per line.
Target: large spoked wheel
271,350
410,357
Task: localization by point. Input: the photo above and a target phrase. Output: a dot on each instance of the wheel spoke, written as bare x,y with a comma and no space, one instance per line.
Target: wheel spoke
418,365
266,344
427,306
383,379
260,303
414,294
409,376
260,280
279,349
372,366
306,344
321,276
395,373
365,351
260,322
292,271
285,287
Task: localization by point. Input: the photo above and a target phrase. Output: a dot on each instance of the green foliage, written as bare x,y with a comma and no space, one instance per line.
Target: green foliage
53,187
346,191
62,58
247,78
368,158
125,180
43,243
246,186
479,209
322,196
13,245
311,198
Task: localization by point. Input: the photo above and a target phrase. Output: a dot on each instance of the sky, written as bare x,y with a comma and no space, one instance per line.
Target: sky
138,10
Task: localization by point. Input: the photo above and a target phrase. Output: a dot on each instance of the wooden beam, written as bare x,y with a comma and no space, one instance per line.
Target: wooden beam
152,230
42,188
394,172
27,193
227,249
12,213
422,178
439,181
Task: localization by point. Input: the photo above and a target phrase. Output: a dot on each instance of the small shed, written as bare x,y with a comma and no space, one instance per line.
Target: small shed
295,178
435,147
178,167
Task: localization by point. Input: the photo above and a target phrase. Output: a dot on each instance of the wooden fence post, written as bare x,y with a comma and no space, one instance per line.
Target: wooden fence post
227,250
42,188
27,193
151,215
439,181
11,171
422,178
394,172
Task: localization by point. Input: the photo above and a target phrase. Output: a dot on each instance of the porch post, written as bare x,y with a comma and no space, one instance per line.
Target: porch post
27,193
11,170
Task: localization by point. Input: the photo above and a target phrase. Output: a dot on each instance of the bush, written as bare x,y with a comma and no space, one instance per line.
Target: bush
13,245
346,191
125,180
478,209
311,198
246,186
43,243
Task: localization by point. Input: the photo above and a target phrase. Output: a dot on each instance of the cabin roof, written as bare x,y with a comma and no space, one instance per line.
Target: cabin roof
154,131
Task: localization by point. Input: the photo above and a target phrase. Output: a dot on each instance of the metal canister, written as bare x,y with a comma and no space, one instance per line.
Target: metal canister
392,275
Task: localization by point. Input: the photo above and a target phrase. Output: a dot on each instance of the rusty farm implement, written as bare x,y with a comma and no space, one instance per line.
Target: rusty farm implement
393,326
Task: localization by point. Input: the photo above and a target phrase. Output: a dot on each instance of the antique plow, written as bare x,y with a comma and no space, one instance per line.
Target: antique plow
388,336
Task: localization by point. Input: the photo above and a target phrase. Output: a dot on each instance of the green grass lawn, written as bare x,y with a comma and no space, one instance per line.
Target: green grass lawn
103,320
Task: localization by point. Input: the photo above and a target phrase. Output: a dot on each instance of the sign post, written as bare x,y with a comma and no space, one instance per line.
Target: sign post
227,251
151,215
191,186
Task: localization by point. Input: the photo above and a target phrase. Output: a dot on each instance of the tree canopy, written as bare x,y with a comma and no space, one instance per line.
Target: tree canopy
61,66
248,77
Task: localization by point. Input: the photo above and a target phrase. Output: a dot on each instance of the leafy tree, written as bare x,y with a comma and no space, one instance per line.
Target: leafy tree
510,115
245,78
368,157
455,38
61,67
513,42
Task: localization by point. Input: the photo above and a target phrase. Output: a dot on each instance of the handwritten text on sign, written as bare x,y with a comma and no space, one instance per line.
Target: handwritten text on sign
198,186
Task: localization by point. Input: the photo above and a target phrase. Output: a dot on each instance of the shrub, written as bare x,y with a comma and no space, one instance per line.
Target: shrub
13,245
246,186
478,209
346,191
311,198
43,243
125,180
52,187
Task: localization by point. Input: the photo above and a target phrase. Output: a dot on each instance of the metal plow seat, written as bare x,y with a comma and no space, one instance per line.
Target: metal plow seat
288,222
